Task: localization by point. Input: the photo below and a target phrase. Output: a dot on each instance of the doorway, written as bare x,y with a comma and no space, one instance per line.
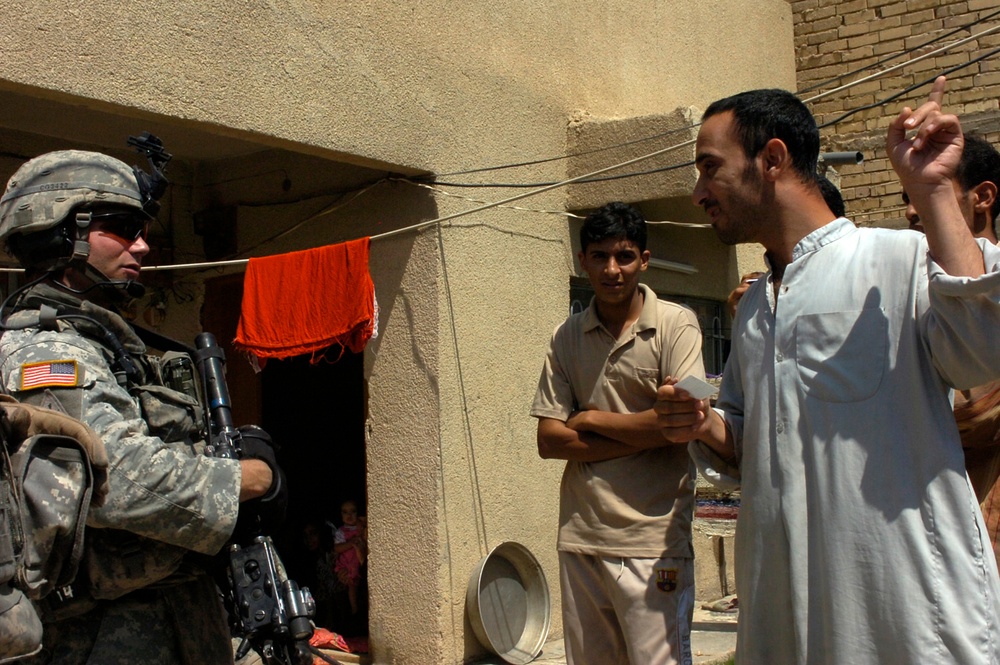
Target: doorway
315,412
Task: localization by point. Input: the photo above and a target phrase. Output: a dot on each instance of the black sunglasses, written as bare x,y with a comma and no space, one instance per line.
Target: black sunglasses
125,225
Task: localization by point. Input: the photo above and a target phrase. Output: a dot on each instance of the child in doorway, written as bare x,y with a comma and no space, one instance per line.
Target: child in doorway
350,549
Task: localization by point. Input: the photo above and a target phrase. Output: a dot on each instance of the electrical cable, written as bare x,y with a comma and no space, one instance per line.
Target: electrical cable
878,74
561,157
911,61
631,174
477,506
890,58
561,213
840,77
909,89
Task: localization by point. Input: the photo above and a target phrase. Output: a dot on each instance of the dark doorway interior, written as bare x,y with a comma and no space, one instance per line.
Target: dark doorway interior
316,413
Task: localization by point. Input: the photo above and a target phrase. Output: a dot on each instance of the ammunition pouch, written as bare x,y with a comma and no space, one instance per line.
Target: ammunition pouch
20,627
45,492
171,416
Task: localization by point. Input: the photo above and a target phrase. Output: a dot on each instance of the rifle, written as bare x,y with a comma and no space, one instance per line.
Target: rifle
269,611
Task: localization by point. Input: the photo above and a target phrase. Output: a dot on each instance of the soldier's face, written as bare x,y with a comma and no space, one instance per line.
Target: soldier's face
118,243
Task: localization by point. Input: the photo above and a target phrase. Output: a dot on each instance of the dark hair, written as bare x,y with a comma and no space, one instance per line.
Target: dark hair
980,163
832,196
762,115
614,220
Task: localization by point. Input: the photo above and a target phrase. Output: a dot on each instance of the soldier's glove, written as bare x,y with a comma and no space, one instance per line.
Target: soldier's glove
266,514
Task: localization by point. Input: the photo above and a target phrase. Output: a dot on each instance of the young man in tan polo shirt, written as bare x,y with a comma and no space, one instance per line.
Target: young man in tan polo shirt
627,495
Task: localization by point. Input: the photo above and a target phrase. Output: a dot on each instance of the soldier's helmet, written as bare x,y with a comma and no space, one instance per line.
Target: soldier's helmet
42,194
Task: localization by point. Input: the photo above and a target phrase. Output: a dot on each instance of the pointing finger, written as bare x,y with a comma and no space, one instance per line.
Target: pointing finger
937,91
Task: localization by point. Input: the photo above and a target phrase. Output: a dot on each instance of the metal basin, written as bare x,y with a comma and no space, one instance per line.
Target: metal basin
508,603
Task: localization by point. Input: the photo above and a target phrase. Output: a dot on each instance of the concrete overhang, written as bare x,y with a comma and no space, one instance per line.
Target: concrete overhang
59,120
666,175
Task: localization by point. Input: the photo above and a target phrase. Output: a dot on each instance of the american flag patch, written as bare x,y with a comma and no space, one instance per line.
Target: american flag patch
50,373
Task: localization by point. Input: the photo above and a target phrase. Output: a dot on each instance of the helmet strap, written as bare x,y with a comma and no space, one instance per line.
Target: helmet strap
117,291
81,245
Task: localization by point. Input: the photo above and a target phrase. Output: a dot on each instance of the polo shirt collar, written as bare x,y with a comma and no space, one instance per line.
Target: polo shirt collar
647,317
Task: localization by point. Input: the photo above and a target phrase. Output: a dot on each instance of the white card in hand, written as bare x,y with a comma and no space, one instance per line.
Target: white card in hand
696,388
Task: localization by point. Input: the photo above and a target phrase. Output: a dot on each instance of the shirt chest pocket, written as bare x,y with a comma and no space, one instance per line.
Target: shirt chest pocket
647,380
841,356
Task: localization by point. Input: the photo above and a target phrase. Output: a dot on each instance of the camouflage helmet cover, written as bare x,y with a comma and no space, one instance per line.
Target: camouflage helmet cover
43,192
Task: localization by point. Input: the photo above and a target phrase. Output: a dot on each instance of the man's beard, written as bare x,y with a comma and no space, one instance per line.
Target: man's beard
744,213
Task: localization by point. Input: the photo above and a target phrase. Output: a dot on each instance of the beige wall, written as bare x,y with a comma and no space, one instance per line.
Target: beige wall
336,95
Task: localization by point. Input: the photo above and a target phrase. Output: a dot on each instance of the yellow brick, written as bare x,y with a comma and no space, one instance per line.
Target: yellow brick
817,13
895,33
918,5
926,18
953,9
987,79
885,47
861,56
866,39
848,7
957,21
820,37
831,46
864,16
893,9
852,30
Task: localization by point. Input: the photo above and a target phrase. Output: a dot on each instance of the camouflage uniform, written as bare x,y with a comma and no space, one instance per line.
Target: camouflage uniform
146,597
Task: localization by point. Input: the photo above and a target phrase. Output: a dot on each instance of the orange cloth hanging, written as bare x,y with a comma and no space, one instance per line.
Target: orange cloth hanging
305,302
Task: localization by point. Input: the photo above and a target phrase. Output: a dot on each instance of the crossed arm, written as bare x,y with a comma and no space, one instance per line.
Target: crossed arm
594,436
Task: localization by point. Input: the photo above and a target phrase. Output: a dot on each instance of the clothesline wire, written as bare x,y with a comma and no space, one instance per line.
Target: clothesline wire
455,215
540,190
547,160
344,199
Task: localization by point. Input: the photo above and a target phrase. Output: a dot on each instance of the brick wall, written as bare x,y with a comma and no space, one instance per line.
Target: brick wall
836,37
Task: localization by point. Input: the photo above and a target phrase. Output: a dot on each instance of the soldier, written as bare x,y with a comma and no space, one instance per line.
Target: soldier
77,222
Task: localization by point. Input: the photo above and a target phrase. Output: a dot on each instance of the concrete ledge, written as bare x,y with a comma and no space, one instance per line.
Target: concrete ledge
587,134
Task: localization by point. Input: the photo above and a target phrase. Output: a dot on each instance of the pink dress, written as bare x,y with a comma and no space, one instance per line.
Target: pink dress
348,559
